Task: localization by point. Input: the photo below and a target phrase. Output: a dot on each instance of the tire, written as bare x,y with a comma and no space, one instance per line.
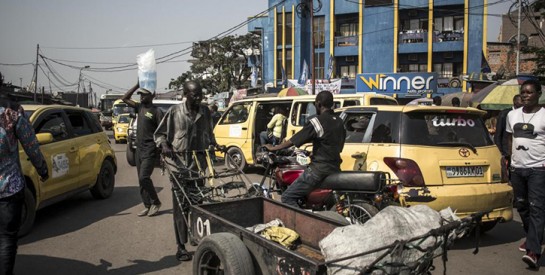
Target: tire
104,186
235,155
487,226
28,213
130,155
361,212
222,253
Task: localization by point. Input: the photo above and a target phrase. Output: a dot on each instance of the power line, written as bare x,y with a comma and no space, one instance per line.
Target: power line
17,64
118,47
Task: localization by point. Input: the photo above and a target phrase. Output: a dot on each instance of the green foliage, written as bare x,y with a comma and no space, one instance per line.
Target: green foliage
220,64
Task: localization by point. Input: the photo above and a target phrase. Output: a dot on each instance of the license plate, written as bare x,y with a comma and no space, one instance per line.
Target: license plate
464,171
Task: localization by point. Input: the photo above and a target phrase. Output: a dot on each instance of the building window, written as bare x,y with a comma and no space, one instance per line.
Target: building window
279,25
348,29
289,72
319,32
449,24
348,71
279,65
413,68
415,24
289,26
446,69
319,64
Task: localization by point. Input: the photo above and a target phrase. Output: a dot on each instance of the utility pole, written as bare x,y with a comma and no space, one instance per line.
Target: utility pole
79,82
518,38
36,71
50,90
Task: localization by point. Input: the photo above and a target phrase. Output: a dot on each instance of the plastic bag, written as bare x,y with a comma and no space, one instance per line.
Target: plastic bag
147,72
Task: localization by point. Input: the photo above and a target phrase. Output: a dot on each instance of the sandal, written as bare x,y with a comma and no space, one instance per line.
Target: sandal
183,255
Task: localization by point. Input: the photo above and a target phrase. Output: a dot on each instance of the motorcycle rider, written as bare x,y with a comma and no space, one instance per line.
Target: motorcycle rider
327,133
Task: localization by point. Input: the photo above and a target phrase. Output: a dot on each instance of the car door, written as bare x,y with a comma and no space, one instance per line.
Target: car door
61,155
87,141
358,125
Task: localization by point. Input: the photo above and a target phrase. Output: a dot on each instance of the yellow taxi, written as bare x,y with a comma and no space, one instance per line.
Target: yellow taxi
121,127
78,155
439,156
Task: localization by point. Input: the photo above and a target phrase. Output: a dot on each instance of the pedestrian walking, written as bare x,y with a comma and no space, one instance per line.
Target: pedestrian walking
526,128
500,138
14,129
186,128
148,118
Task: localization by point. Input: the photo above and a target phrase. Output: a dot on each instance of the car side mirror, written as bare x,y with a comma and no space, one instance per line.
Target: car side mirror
44,138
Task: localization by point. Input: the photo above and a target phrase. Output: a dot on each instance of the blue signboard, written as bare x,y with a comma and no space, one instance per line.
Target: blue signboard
408,84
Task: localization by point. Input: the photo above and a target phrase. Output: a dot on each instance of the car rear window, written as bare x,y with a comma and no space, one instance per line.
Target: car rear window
382,101
444,129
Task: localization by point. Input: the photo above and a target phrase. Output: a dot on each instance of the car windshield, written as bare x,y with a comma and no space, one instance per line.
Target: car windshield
124,119
444,129
122,108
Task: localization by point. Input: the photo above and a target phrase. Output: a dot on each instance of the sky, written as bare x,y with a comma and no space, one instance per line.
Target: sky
111,33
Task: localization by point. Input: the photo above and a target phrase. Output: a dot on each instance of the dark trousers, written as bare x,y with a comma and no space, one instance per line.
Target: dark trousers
264,139
180,226
529,188
10,222
301,187
145,164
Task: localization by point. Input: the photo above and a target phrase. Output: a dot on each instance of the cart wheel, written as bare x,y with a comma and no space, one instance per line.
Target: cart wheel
222,253
361,212
235,159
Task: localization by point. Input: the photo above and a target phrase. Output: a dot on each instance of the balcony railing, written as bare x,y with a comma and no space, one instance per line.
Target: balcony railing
346,41
421,36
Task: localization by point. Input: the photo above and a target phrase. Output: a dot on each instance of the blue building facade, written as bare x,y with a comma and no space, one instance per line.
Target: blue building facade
411,37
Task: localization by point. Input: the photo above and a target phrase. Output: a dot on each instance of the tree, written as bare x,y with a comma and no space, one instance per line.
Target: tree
179,81
220,64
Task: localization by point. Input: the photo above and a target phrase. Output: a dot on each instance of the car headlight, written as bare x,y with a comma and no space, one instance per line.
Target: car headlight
119,129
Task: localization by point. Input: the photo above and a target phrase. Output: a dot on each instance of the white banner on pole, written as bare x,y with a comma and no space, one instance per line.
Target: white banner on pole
334,86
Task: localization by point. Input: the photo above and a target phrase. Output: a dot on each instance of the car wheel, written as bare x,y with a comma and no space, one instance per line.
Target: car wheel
130,155
361,212
235,159
222,253
28,213
104,186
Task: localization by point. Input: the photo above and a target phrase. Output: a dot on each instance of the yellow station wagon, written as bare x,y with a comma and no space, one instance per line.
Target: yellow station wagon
78,156
441,156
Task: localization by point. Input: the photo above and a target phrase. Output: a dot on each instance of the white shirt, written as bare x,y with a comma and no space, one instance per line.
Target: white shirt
528,130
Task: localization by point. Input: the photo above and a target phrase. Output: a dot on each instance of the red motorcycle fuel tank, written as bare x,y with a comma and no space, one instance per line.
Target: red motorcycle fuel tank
287,174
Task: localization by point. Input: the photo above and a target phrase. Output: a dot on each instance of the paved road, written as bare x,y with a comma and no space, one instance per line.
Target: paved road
87,236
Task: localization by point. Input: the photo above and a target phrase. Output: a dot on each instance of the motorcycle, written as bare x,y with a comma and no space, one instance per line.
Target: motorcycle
355,195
